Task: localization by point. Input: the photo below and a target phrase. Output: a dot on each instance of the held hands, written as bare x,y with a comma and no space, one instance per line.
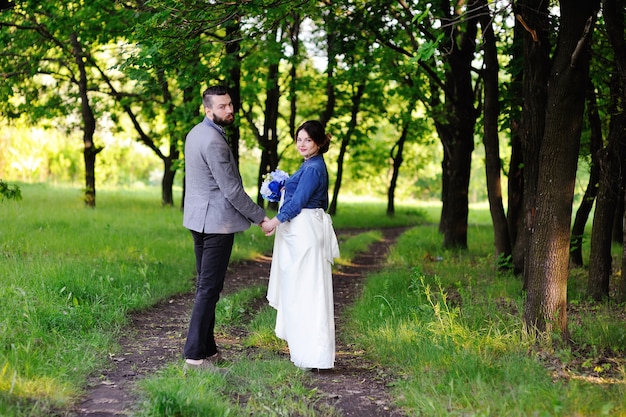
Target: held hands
269,226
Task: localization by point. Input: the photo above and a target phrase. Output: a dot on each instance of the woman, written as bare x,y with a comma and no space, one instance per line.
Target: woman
300,287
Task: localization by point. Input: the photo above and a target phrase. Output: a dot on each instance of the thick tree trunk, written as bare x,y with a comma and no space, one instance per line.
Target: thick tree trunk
613,12
532,16
456,132
490,140
456,174
548,255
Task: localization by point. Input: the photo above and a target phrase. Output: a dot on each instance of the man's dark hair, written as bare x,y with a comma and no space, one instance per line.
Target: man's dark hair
216,90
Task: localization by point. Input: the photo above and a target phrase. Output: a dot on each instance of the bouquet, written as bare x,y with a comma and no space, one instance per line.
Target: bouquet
272,185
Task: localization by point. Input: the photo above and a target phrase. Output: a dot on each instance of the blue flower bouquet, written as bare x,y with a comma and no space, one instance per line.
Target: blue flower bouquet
272,185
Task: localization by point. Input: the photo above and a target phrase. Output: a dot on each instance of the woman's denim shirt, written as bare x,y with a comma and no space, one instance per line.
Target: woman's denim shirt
306,188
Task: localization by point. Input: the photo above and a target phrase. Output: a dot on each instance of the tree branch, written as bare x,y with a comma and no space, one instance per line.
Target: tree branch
581,42
530,30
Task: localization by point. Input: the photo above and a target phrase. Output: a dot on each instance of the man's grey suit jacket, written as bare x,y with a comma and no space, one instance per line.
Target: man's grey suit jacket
215,200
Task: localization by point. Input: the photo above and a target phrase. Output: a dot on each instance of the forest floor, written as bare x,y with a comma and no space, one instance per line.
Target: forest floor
356,387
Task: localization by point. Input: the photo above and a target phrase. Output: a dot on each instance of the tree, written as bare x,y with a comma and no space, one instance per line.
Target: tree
447,60
548,253
165,73
456,130
47,45
613,12
268,136
532,22
610,191
595,146
491,141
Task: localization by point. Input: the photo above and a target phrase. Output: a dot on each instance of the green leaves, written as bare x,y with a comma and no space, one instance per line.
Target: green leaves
9,192
427,49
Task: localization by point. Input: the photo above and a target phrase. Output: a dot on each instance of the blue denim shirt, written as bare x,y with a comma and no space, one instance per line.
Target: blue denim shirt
306,188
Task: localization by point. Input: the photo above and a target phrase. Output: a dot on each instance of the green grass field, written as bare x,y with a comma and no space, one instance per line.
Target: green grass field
446,323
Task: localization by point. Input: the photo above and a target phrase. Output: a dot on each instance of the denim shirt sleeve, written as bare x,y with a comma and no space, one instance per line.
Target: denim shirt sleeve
307,188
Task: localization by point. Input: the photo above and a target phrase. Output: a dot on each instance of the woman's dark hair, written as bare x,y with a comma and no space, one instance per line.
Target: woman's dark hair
316,131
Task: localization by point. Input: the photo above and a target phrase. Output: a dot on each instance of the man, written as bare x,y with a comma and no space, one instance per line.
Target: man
216,207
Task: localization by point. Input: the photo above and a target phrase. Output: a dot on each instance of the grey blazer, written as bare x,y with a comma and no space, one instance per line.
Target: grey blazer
215,201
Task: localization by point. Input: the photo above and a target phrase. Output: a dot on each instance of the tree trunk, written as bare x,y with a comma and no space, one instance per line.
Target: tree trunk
595,145
294,36
618,233
602,230
611,191
169,173
490,140
456,132
455,200
620,291
613,12
189,96
268,139
331,51
90,151
397,162
532,15
548,260
515,209
356,104
167,181
233,47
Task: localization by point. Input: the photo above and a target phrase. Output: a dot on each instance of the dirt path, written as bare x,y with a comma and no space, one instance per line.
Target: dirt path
355,386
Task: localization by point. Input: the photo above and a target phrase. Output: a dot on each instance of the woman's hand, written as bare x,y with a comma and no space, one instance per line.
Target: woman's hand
269,227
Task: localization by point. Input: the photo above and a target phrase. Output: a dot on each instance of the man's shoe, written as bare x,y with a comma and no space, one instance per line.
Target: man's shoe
216,358
206,365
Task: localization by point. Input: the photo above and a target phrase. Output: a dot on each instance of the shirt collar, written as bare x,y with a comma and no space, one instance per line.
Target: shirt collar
214,125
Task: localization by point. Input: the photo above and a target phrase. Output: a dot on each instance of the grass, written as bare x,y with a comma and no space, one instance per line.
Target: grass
262,384
445,322
68,277
451,328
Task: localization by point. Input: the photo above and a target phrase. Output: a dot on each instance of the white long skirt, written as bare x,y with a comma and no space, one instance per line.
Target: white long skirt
301,288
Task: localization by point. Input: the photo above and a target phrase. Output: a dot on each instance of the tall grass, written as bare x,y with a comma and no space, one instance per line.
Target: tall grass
450,327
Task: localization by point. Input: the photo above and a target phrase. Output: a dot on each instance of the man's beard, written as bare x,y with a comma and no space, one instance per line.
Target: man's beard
223,122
